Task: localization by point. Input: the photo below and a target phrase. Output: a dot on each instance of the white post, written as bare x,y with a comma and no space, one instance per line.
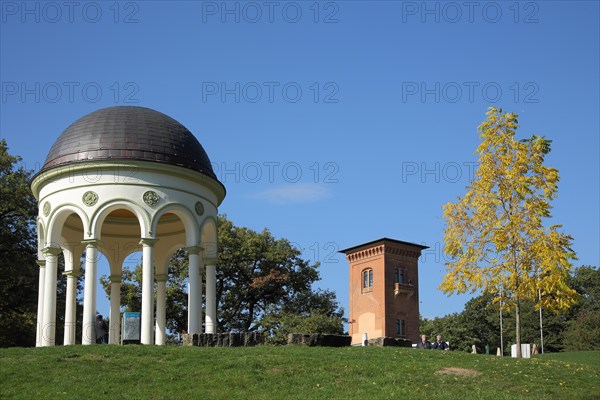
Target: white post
40,309
114,332
161,309
88,334
211,297
195,291
501,327
49,316
147,334
70,306
541,323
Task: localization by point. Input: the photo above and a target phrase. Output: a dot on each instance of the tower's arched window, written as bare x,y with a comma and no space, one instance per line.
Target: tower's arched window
368,278
400,327
400,275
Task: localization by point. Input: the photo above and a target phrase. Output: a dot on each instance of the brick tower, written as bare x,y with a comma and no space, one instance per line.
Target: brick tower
384,289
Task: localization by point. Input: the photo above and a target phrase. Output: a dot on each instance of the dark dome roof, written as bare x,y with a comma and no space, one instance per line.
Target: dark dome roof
129,133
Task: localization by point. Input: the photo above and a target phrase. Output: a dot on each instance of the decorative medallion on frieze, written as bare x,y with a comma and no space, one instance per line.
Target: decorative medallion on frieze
199,208
46,209
151,198
90,198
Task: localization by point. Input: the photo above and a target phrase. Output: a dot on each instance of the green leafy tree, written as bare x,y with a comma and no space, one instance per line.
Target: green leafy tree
583,332
18,253
306,312
280,324
583,328
452,329
495,234
481,316
258,274
586,281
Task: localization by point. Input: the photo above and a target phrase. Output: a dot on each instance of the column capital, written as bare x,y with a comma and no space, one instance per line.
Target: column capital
193,249
210,261
41,263
161,277
90,242
54,251
115,278
148,242
72,273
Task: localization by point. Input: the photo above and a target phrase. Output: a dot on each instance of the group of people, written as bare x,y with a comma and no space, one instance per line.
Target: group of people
439,344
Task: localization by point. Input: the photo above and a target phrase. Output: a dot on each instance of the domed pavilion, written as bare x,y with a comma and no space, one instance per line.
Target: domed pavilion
117,181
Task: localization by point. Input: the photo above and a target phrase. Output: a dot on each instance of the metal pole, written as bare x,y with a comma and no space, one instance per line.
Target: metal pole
501,330
541,324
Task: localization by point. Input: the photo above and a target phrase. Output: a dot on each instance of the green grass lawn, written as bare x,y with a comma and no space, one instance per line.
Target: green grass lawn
290,372
591,358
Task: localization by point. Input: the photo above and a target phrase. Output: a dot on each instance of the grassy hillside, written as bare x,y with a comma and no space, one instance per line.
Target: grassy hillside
150,372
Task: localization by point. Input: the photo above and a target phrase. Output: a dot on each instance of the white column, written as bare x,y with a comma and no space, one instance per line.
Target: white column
70,307
161,309
211,297
200,289
114,332
188,309
147,290
195,291
88,335
40,309
49,314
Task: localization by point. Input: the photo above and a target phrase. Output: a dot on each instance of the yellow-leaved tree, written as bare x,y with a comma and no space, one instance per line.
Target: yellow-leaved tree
495,235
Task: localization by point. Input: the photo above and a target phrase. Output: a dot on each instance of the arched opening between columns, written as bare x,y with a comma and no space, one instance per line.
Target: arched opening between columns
177,230
119,228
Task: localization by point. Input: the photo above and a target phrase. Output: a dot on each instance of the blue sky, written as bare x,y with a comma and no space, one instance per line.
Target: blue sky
330,123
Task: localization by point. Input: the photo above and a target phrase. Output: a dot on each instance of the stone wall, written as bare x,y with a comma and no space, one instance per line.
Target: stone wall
233,339
389,341
249,339
318,339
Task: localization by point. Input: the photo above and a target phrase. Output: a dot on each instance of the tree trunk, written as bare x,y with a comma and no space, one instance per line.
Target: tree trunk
518,328
250,318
